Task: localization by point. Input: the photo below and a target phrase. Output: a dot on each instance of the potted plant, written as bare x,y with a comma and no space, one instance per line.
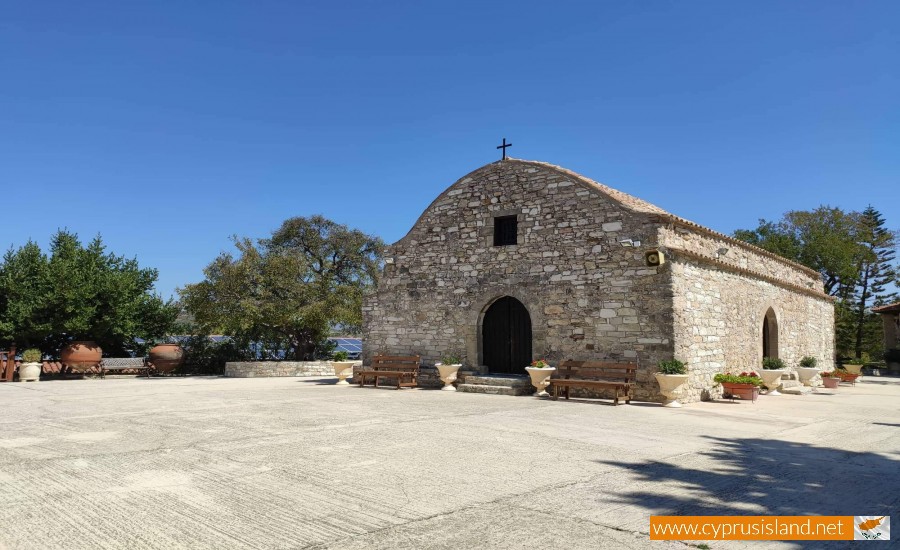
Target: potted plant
830,379
343,369
540,372
671,376
448,368
744,385
30,369
846,376
855,366
807,370
773,370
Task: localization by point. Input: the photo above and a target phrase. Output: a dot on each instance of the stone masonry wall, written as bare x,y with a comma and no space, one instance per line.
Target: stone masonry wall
588,296
718,315
254,369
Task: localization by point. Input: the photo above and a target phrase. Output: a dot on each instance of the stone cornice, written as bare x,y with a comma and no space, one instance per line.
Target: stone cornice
678,252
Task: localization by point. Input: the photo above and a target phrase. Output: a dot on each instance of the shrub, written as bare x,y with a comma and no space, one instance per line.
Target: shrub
809,362
672,366
743,378
772,363
340,356
452,359
32,355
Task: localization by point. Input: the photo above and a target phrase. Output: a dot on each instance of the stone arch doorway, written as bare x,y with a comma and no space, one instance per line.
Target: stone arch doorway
506,337
770,334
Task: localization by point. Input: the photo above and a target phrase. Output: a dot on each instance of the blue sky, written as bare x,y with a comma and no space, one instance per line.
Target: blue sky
169,126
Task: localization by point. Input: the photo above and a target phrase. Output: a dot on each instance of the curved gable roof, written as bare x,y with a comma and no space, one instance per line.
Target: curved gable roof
629,202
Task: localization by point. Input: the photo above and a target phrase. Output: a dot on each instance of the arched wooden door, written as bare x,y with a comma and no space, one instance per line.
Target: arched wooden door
770,334
506,337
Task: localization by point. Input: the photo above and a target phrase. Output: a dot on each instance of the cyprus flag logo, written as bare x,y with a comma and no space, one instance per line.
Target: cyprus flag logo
871,527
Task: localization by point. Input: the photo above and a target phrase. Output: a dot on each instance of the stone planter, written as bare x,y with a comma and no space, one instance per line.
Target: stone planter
448,374
166,358
772,379
539,379
670,387
343,370
853,369
741,391
81,355
831,382
30,372
807,375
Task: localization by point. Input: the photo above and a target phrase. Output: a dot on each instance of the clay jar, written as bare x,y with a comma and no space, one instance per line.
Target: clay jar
166,357
81,354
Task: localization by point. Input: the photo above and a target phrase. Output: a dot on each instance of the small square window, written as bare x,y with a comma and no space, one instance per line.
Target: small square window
505,231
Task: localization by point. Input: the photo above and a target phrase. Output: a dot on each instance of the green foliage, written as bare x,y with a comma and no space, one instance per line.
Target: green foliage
290,291
829,374
672,366
32,355
855,255
452,359
737,379
205,356
78,293
809,362
340,356
824,239
772,363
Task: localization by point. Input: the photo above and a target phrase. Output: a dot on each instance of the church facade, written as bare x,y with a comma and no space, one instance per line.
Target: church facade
523,260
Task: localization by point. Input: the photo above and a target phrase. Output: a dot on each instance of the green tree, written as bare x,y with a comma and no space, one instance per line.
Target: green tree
79,293
290,291
852,251
824,239
876,276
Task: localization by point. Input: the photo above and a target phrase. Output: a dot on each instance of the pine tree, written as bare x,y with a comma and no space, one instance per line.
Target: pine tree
876,271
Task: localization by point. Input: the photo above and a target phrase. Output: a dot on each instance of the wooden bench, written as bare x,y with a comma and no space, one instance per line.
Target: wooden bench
405,368
595,374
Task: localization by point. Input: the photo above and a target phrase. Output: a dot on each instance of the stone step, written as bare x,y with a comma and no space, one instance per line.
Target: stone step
508,381
796,390
494,390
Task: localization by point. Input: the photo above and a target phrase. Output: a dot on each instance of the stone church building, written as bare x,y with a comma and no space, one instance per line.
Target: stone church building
523,260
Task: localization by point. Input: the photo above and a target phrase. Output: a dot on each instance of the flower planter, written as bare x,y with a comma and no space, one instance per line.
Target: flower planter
831,382
165,358
539,379
807,375
343,370
853,369
670,387
848,377
772,380
448,375
30,372
741,391
81,355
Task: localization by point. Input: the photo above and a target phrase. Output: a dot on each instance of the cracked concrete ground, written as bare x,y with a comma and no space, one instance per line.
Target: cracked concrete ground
302,463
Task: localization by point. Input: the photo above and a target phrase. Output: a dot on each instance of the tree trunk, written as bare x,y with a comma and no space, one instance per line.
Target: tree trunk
861,311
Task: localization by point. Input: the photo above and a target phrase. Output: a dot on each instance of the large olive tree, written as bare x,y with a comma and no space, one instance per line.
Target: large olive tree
288,292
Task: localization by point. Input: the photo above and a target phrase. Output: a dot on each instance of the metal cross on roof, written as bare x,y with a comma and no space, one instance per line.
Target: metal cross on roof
504,146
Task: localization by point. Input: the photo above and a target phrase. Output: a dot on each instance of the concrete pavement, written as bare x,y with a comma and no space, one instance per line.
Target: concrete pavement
302,463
